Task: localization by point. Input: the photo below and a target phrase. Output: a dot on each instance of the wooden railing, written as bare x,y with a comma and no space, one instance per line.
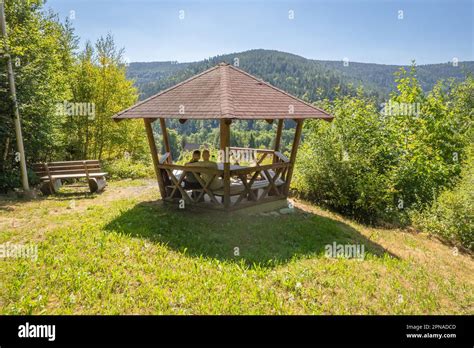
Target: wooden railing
165,158
281,157
261,154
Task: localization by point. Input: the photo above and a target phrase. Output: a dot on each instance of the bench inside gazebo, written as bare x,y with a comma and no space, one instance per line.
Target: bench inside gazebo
226,93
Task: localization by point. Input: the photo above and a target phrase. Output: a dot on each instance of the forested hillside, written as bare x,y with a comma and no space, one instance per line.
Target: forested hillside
306,78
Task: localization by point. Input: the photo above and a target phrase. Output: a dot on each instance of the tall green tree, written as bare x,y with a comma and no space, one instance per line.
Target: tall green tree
42,49
100,82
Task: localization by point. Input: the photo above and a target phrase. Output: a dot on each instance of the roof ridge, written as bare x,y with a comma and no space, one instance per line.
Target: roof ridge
280,90
227,104
166,90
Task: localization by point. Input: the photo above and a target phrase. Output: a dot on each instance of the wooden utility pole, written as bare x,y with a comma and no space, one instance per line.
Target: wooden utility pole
11,80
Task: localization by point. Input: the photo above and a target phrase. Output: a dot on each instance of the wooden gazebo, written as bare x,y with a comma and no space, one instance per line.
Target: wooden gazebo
226,93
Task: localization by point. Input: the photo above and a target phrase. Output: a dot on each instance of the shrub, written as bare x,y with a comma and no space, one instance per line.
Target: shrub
381,166
451,216
11,179
343,164
127,169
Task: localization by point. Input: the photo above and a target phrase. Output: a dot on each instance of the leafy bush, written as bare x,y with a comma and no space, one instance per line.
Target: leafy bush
380,167
451,216
12,179
124,168
343,164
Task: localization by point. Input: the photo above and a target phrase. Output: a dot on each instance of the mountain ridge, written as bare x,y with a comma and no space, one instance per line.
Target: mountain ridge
292,54
306,78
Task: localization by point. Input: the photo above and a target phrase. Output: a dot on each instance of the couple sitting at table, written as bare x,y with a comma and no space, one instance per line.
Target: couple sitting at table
191,182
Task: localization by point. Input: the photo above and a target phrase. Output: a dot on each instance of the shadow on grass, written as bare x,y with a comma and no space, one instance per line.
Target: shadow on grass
64,194
263,240
68,195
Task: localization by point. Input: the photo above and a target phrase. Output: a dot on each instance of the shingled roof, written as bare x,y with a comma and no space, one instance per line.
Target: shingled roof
223,91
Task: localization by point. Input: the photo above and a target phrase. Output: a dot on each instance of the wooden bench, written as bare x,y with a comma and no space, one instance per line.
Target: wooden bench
51,174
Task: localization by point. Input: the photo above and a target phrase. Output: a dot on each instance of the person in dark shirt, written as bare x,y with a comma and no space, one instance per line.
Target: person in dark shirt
190,181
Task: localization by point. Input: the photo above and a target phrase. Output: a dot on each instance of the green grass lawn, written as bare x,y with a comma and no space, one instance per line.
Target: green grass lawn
124,252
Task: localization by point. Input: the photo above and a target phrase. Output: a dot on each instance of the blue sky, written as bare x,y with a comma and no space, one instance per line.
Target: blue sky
362,30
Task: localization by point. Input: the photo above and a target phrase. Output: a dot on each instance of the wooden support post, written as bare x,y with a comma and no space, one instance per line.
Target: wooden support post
224,146
154,156
278,139
16,108
166,139
294,150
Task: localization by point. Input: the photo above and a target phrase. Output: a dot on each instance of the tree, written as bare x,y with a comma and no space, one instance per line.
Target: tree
100,83
42,51
252,144
381,165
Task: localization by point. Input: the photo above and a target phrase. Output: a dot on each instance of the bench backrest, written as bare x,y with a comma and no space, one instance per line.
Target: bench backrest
67,167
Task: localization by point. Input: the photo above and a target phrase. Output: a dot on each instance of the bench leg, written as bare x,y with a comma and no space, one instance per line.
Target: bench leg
97,184
45,187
